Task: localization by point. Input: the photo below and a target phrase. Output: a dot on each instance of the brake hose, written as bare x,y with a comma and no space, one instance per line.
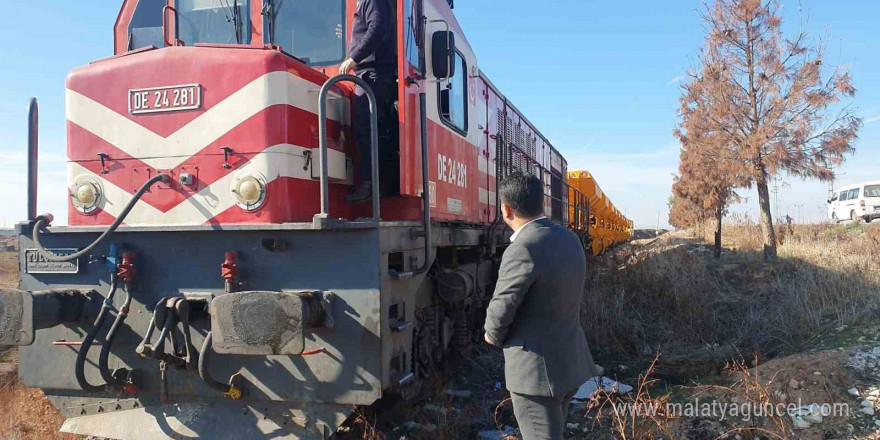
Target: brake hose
228,390
45,219
90,338
104,358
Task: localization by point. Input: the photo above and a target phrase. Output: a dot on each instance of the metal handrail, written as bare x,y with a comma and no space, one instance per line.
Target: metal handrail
33,147
165,26
374,143
426,197
426,194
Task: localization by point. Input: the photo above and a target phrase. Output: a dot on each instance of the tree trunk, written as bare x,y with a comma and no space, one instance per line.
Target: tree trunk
766,217
719,214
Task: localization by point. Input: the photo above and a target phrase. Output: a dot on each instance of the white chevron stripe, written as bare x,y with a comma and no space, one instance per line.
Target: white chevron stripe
278,161
274,88
485,167
487,197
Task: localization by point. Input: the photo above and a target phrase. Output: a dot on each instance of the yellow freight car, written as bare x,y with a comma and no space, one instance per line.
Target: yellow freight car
608,225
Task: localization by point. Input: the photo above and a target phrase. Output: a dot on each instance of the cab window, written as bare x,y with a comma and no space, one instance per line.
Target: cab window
414,33
214,21
311,30
145,28
453,96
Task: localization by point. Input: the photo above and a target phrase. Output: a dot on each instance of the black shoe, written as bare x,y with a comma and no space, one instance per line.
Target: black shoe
362,193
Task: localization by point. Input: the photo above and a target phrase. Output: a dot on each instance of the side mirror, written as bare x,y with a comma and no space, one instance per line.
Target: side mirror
442,54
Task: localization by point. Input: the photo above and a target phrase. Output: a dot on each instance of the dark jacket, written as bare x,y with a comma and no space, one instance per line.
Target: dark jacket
534,314
373,45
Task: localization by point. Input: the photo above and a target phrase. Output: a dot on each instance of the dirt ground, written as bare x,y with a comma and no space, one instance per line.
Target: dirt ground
8,263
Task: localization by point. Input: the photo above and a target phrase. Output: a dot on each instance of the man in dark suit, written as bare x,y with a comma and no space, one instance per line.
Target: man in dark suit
534,314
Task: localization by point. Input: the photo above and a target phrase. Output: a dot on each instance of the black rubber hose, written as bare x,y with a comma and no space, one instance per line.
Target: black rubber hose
42,221
90,338
203,367
104,359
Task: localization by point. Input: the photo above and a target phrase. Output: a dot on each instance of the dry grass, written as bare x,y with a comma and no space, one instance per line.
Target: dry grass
759,393
634,416
672,297
750,388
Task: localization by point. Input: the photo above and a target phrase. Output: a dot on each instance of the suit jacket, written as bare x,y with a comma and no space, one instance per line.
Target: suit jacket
534,314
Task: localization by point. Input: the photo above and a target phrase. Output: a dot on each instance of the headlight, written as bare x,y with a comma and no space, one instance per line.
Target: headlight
250,191
85,195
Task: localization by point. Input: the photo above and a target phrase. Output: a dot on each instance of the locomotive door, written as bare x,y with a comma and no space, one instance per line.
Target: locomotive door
453,118
411,74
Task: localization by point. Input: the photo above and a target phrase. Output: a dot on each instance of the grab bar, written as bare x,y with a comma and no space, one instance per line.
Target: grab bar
165,26
374,144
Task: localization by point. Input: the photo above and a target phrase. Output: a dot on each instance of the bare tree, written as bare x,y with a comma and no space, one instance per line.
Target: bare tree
767,101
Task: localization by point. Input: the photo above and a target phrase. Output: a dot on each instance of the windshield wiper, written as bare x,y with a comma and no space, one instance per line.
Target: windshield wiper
235,19
270,11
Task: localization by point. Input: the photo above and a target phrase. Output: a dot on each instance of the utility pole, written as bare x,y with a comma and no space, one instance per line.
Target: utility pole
658,223
777,188
800,219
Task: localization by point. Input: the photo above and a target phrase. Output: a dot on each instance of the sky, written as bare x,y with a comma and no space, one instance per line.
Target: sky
600,79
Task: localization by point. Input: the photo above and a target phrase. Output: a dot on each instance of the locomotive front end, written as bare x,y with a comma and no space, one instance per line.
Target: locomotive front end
221,333
235,129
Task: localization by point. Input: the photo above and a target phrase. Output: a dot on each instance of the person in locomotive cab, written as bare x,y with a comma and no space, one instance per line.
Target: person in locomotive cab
534,314
373,58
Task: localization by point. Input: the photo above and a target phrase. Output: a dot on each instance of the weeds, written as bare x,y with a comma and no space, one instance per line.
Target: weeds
365,427
674,297
632,417
749,389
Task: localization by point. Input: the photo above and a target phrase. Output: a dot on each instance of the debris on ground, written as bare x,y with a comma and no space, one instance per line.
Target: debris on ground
608,385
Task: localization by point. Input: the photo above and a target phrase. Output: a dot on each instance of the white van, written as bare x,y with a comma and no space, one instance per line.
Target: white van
855,202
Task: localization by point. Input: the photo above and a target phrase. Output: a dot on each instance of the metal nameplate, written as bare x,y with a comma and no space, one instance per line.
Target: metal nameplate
454,205
165,99
36,263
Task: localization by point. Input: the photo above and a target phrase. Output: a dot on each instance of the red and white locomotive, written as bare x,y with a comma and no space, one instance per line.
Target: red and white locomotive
207,186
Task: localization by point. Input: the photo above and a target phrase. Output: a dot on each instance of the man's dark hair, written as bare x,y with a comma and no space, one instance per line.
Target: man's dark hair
525,194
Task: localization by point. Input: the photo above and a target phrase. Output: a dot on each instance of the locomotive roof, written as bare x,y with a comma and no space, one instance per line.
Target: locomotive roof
520,113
